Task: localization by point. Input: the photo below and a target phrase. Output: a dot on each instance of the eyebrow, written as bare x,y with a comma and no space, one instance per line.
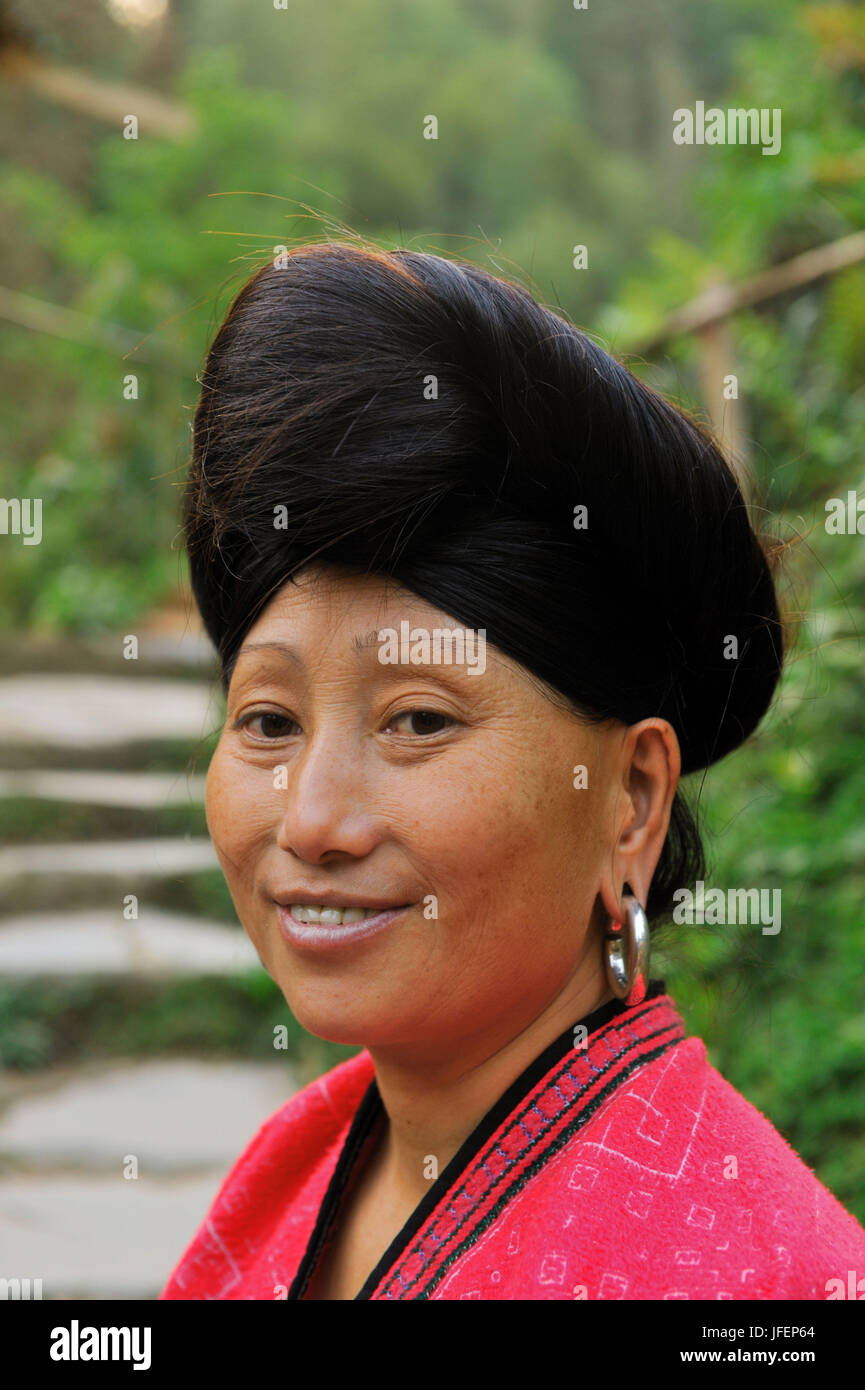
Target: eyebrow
361,642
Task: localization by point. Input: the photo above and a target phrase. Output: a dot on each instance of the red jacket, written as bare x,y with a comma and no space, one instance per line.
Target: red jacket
627,1168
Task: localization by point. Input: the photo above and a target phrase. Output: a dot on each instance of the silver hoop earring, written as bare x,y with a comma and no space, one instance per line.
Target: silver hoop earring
626,953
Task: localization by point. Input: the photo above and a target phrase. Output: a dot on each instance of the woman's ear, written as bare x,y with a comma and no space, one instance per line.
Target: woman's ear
650,769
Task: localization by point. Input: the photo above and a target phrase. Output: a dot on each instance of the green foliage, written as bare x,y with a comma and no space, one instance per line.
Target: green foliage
61,1022
782,1016
296,140
25,819
541,146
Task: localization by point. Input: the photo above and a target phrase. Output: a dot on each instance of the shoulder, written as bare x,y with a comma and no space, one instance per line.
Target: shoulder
272,1193
725,1189
788,1196
307,1125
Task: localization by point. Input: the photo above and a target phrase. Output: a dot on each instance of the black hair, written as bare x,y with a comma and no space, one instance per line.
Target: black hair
420,418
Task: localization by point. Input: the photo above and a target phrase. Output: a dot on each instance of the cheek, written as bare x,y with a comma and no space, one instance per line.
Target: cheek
237,814
514,825
475,822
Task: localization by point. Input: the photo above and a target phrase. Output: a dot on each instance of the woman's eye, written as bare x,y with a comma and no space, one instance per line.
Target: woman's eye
422,721
273,726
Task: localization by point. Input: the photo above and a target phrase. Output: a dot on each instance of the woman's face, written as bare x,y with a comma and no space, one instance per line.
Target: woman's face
432,786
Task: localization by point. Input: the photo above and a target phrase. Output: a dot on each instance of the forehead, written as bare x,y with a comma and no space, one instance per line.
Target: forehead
332,594
332,612
342,612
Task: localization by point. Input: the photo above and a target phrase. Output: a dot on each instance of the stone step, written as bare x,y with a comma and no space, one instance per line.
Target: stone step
146,790
123,859
170,649
100,1237
171,1116
100,1232
100,711
101,942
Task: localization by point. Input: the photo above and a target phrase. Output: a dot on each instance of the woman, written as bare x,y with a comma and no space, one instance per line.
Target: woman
481,598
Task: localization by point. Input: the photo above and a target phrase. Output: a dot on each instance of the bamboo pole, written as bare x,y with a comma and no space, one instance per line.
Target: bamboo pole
93,96
720,300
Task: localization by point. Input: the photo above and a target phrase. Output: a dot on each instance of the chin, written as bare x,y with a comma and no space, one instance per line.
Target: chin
332,1021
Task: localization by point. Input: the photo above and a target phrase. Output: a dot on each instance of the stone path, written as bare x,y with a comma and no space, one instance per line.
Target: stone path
107,1170
123,859
133,789
106,1176
92,1237
175,1116
101,942
97,711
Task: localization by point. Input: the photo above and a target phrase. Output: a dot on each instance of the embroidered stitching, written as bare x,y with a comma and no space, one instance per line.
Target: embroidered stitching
437,1241
626,1039
432,1237
437,1275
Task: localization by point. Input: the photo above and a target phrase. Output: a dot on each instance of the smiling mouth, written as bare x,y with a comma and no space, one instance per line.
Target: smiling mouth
321,915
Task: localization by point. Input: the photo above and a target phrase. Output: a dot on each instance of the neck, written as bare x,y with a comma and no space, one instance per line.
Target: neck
433,1105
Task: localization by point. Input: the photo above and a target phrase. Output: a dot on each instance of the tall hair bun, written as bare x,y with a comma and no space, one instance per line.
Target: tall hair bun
421,418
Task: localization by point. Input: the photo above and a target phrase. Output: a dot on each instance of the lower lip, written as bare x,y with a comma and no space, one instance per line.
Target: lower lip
316,936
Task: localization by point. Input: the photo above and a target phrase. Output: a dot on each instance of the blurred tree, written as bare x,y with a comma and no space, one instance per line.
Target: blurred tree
555,127
784,1015
293,131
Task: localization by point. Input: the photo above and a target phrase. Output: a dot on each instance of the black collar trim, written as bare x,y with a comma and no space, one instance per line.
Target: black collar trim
371,1110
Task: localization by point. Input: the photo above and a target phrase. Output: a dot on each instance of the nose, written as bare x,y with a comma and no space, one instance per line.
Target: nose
325,803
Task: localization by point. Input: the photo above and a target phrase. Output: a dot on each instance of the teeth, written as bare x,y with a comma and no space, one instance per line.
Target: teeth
332,916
